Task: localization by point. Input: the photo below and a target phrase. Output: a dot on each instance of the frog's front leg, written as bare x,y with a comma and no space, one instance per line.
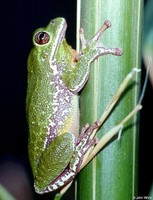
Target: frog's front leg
100,49
76,77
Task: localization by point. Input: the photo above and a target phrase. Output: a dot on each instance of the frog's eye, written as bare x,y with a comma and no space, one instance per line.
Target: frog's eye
42,38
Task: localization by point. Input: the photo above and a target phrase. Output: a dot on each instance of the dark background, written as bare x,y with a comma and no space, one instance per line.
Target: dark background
18,20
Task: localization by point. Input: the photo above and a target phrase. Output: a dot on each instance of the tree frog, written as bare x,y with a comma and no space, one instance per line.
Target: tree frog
56,73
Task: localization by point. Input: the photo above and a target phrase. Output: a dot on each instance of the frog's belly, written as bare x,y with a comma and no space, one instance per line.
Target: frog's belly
65,115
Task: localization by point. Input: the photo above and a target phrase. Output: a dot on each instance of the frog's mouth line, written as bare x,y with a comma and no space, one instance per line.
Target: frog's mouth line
59,38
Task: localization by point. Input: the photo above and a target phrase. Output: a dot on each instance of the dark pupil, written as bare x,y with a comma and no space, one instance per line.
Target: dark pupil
42,36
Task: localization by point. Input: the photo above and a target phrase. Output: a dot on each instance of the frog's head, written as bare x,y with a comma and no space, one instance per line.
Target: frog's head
51,37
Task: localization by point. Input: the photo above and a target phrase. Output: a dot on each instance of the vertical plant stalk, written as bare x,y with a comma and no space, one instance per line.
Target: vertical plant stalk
113,173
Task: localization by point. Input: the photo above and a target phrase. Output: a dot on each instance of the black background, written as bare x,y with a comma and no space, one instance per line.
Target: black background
18,20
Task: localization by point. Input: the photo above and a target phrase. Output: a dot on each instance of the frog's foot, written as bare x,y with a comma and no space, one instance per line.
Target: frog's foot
100,49
85,141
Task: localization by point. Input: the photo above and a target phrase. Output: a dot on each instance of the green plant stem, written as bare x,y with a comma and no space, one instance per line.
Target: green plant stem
113,173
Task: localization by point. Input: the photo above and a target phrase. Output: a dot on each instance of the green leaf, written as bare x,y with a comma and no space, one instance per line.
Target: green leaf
4,194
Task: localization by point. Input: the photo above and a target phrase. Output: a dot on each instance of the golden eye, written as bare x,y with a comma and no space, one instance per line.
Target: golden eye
42,38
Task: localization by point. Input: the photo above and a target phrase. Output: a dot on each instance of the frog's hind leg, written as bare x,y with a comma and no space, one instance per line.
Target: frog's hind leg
82,146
